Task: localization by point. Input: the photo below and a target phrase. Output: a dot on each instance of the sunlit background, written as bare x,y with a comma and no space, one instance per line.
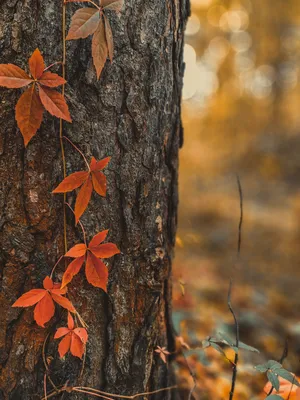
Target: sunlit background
241,115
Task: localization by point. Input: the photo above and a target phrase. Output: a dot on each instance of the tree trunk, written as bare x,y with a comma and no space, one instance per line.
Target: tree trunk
133,115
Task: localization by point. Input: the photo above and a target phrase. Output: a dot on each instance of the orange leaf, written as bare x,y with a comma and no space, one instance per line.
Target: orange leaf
36,64
71,182
62,301
51,80
83,198
99,182
97,239
102,163
30,298
115,5
99,48
77,347
61,332
72,270
84,23
78,250
29,114
12,76
82,334
106,250
287,390
64,345
99,165
70,321
48,283
44,310
109,38
54,103
96,272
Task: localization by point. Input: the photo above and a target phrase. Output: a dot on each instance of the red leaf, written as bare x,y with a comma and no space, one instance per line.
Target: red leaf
72,270
106,250
64,345
30,298
29,114
109,38
59,291
71,182
54,103
83,198
61,332
84,23
82,334
99,165
99,48
77,347
51,80
36,64
115,5
48,283
96,272
12,76
44,310
97,239
102,163
62,301
99,182
78,250
70,321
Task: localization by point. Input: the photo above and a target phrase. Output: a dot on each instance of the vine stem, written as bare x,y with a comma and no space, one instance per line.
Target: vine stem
53,269
80,223
61,121
79,151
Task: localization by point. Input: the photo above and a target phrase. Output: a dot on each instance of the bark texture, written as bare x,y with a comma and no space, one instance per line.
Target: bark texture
133,115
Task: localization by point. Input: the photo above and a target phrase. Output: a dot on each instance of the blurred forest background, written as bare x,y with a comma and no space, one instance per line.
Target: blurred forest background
241,115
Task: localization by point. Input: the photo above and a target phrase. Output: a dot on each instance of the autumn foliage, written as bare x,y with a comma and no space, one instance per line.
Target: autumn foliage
93,21
74,339
90,180
95,270
44,300
40,94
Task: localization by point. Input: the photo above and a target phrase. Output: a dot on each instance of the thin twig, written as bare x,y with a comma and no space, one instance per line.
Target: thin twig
237,329
237,336
241,217
61,121
123,396
52,65
80,223
46,364
45,386
79,151
53,269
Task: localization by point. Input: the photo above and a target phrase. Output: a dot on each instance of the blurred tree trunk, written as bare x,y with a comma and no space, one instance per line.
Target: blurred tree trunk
133,115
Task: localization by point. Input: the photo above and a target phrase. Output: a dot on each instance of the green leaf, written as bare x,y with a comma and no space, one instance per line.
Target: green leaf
274,397
273,379
247,347
262,367
287,375
272,364
205,344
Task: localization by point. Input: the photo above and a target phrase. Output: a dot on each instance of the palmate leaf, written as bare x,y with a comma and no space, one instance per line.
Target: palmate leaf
93,21
74,339
44,300
30,106
90,180
95,270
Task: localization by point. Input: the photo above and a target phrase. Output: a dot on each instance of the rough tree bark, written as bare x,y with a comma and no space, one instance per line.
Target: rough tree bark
133,115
